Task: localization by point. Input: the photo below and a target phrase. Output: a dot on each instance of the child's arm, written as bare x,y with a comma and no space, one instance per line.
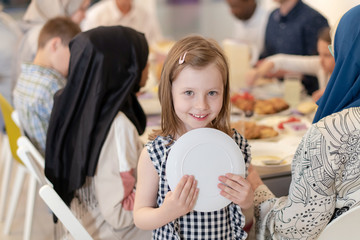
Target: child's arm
177,203
237,189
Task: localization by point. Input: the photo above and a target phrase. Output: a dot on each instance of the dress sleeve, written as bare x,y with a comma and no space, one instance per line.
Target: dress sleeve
311,201
115,174
308,65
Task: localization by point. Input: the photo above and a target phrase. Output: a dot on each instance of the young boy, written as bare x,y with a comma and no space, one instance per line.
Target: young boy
40,80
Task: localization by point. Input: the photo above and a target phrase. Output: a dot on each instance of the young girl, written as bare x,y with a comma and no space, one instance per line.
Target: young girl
194,93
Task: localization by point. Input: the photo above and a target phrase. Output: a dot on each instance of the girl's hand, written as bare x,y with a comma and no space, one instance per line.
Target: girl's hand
236,189
182,200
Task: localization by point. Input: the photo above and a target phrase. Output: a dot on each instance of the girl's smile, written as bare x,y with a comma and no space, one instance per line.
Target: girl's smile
199,117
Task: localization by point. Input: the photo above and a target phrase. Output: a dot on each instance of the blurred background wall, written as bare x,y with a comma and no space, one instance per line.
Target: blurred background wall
211,18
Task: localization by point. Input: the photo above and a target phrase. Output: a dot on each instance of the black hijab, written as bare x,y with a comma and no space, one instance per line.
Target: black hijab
105,70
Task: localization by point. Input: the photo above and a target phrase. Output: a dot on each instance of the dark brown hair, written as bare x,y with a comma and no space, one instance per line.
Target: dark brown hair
200,52
62,27
324,34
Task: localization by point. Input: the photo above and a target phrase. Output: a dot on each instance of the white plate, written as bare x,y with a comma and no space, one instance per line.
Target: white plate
259,160
206,154
270,150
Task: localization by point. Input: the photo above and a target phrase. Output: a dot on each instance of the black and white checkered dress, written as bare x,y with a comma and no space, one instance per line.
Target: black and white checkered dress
226,223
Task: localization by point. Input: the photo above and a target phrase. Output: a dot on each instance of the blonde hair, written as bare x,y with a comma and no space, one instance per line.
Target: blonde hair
197,52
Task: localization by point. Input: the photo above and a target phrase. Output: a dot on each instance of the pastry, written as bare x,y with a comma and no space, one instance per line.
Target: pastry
250,130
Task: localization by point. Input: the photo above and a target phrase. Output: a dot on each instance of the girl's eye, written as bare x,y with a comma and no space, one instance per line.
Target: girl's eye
213,93
189,93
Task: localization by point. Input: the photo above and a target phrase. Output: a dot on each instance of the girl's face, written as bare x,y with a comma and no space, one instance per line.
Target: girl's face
198,96
326,59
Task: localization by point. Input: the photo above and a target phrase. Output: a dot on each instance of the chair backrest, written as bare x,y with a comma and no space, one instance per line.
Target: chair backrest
346,226
32,159
34,162
13,131
63,213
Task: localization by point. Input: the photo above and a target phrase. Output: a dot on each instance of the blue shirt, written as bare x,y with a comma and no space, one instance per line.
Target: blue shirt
296,33
33,100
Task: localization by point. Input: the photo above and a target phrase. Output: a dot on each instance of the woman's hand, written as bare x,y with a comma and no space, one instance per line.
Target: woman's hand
254,178
236,189
317,94
182,200
251,76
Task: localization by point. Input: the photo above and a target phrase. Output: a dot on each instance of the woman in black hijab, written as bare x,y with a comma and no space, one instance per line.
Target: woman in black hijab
93,142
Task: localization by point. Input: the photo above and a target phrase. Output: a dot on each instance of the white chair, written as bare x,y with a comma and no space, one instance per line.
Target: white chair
35,163
13,132
32,159
346,226
7,163
63,213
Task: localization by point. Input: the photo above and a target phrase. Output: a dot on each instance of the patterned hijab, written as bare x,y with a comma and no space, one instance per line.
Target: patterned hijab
343,89
105,70
39,11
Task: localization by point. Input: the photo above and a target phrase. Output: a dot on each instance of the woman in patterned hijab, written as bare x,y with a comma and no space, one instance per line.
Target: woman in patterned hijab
325,169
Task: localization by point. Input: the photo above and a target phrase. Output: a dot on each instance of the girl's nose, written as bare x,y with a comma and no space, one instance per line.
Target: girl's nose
201,103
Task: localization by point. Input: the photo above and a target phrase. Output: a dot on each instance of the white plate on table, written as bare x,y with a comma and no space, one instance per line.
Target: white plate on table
206,154
261,151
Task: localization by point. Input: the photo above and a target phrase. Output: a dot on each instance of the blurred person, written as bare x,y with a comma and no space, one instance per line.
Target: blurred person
10,35
93,143
325,168
293,29
321,65
37,13
40,80
125,13
251,20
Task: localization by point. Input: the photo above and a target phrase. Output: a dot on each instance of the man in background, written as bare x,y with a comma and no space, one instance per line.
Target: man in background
251,19
293,29
125,13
